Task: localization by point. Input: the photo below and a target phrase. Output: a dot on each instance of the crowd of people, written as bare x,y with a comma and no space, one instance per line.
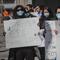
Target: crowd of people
20,11
30,11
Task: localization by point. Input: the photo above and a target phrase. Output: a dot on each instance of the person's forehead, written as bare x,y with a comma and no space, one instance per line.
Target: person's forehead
19,8
58,10
45,10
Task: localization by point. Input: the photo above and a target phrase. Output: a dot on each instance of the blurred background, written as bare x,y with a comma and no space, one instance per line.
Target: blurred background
10,4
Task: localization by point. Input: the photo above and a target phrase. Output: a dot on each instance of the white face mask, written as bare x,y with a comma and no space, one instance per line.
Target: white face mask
20,13
34,13
39,14
58,15
46,14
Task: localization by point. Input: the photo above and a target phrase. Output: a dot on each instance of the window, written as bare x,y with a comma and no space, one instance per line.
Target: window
9,1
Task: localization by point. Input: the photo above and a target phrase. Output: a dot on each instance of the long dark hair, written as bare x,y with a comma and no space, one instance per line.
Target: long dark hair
41,23
16,9
50,13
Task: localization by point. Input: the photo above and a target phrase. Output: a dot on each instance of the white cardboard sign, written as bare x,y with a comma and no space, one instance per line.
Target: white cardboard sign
22,32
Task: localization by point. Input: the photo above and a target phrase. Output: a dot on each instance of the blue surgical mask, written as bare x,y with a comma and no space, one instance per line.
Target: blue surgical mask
20,13
58,15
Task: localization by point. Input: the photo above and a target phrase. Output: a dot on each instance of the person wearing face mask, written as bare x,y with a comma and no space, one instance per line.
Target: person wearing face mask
21,53
41,47
41,10
29,14
30,7
19,12
48,14
57,13
38,11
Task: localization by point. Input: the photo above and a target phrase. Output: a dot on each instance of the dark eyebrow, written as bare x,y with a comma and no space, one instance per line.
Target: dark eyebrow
46,12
